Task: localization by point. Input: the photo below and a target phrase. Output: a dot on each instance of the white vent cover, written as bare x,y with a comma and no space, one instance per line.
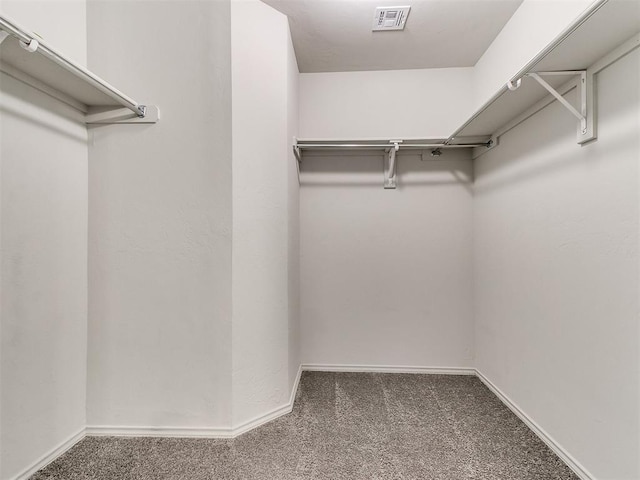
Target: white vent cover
390,18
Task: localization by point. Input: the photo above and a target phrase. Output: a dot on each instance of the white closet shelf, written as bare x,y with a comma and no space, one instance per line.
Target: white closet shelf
606,31
30,59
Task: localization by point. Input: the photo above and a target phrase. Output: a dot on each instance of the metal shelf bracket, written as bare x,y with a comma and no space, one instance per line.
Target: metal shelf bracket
584,115
296,150
112,116
390,165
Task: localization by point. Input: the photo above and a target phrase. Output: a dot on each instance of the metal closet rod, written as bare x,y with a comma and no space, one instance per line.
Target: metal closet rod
382,146
31,43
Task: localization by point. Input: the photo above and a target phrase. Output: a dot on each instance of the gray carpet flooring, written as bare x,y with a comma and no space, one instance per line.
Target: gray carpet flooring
356,426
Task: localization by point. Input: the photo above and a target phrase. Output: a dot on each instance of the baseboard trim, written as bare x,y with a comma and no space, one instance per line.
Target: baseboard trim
51,455
273,414
197,432
565,456
318,367
170,432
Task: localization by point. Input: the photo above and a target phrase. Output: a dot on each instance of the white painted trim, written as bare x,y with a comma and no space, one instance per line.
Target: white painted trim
273,414
565,456
318,367
296,384
50,456
142,431
197,432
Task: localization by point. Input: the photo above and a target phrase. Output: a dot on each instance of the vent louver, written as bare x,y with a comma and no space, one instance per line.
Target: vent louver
390,18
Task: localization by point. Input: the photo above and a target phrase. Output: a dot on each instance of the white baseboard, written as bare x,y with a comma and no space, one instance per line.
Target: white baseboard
571,462
273,414
317,367
142,431
51,455
197,432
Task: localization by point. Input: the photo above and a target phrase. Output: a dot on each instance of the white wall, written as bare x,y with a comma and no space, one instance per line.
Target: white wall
43,222
263,89
176,340
556,275
160,219
531,28
429,103
62,23
386,274
378,284
293,246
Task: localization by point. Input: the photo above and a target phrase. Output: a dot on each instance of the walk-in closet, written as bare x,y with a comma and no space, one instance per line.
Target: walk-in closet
319,240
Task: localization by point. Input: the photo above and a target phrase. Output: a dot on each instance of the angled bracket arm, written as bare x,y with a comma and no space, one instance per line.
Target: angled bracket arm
561,99
390,167
585,112
296,150
3,36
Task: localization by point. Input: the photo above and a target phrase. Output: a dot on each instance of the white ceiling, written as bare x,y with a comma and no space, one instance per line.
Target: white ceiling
336,36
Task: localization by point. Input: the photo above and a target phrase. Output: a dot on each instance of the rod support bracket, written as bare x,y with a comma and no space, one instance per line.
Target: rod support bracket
32,46
514,86
121,115
296,150
3,36
390,167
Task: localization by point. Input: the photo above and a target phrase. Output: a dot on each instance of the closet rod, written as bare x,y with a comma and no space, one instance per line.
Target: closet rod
31,43
382,146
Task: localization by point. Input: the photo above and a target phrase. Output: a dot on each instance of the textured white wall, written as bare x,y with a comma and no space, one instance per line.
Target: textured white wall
43,223
293,247
556,262
160,219
531,28
386,274
428,103
62,23
262,92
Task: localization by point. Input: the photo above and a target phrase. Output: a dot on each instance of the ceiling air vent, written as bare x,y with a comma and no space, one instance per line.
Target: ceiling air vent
390,18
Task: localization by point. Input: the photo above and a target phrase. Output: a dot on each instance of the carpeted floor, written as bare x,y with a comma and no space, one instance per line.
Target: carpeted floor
355,426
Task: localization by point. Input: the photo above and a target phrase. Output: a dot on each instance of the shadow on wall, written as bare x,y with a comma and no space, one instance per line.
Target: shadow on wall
43,124
367,170
547,159
529,152
47,112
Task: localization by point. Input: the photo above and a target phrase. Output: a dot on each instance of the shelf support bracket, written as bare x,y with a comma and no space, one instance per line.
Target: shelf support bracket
111,116
585,94
390,167
3,36
296,150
